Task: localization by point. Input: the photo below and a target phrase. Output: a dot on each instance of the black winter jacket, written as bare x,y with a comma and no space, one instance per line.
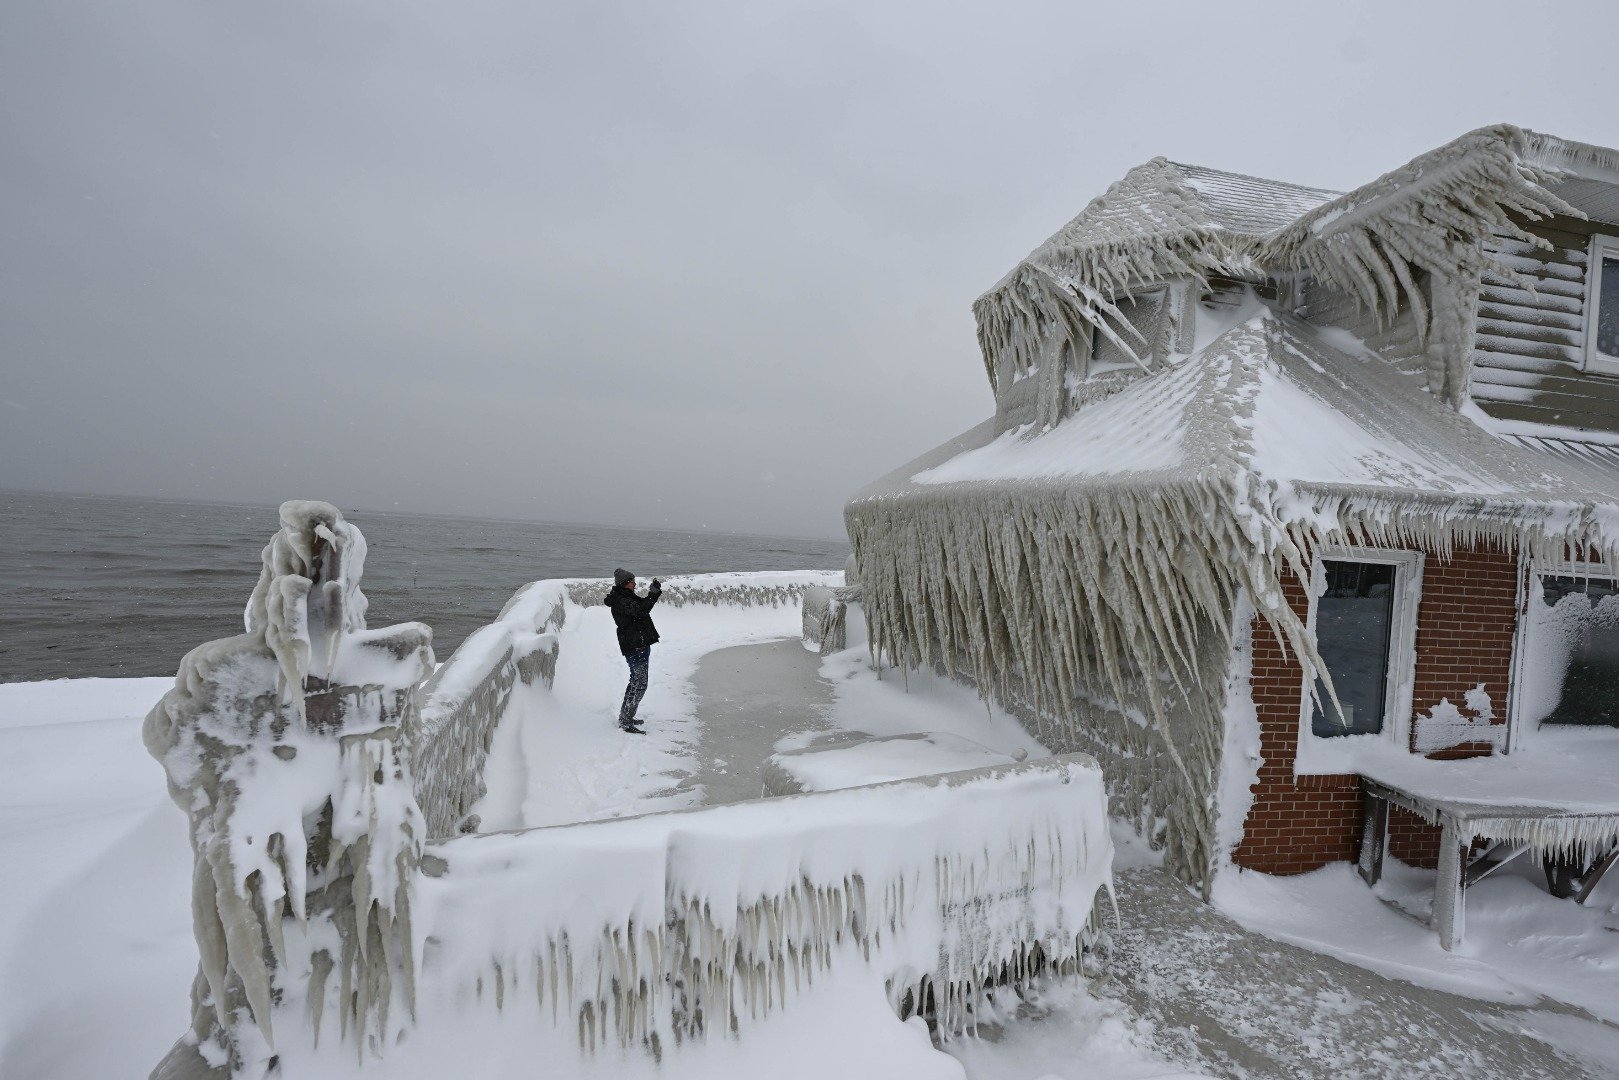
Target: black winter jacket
633,614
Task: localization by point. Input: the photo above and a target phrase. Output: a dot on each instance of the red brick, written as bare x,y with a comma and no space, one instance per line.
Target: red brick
1465,623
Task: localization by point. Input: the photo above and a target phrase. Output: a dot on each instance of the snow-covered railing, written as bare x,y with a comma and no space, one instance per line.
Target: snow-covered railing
647,932
466,699
743,589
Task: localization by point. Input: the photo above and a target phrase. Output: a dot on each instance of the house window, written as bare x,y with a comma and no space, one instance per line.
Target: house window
1141,331
1602,306
1363,616
1570,673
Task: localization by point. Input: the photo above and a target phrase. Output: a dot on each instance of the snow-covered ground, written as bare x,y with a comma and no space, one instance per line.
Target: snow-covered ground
96,949
95,923
560,757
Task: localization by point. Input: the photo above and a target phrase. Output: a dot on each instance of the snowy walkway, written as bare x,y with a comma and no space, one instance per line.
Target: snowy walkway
1241,1004
748,698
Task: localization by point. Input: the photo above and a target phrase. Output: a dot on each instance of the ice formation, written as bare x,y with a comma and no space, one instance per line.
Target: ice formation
1157,225
284,747
698,922
321,901
1428,222
743,589
825,627
466,699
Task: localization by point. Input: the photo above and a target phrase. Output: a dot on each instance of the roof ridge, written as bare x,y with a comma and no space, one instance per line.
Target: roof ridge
1310,188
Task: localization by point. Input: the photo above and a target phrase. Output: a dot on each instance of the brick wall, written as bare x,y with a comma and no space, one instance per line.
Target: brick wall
1465,621
1465,625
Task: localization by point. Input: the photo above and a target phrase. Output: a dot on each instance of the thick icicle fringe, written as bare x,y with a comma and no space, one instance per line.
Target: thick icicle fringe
1432,216
1147,229
702,922
1584,837
298,795
1113,603
1418,237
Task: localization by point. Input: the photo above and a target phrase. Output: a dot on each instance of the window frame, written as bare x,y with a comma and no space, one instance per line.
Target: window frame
1334,753
1519,728
1601,245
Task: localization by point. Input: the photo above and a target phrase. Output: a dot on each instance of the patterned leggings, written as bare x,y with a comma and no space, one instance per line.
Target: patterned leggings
636,690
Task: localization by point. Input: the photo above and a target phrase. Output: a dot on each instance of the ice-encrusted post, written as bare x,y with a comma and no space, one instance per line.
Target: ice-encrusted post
285,748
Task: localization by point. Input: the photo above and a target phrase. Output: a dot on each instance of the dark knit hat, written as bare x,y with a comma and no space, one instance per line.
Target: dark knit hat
621,576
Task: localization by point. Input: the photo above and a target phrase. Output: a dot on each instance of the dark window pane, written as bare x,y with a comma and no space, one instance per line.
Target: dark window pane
1576,629
1608,309
1353,621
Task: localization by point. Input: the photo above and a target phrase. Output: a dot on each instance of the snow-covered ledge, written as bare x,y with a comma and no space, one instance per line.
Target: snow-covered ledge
635,935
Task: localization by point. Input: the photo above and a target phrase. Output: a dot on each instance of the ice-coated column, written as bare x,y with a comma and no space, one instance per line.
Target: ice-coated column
285,748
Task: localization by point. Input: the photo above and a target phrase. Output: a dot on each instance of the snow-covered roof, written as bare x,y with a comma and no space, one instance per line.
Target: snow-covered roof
1174,203
1304,412
1165,221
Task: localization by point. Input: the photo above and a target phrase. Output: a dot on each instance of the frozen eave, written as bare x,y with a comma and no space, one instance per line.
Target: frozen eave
1565,156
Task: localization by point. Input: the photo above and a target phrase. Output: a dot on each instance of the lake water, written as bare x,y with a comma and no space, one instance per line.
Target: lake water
91,585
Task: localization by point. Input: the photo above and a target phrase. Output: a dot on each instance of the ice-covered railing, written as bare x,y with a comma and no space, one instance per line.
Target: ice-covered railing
769,588
466,699
646,932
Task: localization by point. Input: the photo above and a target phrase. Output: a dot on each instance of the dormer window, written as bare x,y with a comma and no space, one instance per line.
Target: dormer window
1602,306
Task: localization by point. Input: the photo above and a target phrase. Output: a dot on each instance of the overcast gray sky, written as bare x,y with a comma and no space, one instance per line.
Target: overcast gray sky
677,265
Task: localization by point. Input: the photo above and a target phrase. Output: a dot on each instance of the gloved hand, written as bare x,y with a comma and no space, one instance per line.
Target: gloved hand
658,585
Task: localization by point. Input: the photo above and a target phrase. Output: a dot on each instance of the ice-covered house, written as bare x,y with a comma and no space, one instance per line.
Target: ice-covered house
1246,430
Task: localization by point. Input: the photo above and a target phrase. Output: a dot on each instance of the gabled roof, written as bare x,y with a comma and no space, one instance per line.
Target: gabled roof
1172,202
1165,221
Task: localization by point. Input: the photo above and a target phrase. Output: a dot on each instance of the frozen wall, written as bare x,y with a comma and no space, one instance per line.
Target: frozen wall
642,934
330,927
1103,621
